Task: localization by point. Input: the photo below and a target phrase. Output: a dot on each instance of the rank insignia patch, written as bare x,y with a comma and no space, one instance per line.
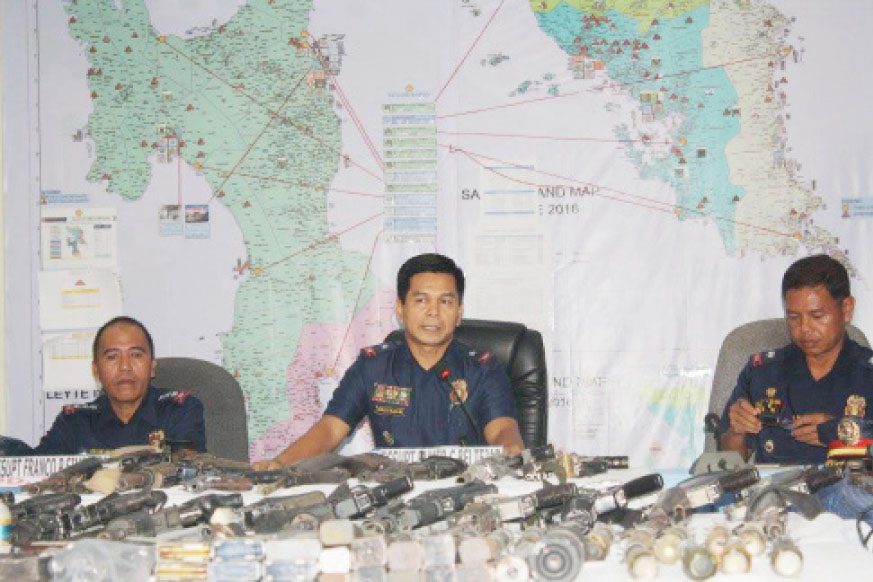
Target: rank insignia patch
757,360
769,446
856,405
389,438
391,395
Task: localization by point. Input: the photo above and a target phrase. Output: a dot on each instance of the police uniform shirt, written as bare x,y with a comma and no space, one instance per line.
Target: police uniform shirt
94,426
780,379
409,406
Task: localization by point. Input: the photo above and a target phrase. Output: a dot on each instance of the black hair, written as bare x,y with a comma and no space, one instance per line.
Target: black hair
428,263
125,320
818,270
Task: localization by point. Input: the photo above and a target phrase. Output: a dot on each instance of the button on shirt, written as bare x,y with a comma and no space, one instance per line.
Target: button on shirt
409,406
95,426
781,379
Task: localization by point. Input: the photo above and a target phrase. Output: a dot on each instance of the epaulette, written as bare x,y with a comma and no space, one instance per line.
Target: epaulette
177,396
868,363
762,358
372,351
481,358
71,409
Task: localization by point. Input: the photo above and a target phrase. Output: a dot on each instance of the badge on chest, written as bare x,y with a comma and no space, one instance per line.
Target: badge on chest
391,400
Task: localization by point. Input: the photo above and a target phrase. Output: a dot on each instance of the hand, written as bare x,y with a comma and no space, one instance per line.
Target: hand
267,465
806,427
744,418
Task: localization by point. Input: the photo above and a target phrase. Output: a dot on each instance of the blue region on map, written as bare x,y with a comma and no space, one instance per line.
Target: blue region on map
703,99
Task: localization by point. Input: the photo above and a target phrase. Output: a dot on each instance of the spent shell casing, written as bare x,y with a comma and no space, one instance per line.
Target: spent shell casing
753,537
735,558
785,558
597,542
697,562
667,545
716,540
641,562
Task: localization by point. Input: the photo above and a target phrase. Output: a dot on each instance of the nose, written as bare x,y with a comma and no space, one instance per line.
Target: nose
124,362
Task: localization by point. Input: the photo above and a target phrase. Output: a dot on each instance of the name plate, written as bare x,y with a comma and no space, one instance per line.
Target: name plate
467,454
17,471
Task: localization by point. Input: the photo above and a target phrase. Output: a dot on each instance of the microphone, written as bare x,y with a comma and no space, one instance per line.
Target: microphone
712,423
444,373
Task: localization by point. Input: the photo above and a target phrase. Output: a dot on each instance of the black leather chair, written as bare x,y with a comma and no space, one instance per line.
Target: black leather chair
521,351
224,407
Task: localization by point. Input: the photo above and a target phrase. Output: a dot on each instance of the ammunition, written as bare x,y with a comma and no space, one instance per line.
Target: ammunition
773,525
302,548
241,570
735,559
597,542
282,570
374,574
786,558
439,574
336,560
752,536
336,532
717,540
697,562
667,545
641,562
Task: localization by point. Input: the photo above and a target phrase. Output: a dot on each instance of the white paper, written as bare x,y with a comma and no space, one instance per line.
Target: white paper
66,361
83,238
78,299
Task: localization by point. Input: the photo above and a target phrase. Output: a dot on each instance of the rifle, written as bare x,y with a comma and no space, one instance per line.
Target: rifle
437,504
428,469
273,513
529,462
357,501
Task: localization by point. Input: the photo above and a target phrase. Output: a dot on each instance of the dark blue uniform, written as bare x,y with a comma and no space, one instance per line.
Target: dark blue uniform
780,381
409,406
94,426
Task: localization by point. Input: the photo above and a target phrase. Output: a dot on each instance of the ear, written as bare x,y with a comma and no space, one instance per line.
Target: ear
460,314
398,311
848,308
94,371
154,368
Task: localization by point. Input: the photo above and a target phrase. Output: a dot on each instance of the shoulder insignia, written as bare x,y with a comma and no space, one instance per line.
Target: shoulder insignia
484,358
370,351
757,360
69,409
177,396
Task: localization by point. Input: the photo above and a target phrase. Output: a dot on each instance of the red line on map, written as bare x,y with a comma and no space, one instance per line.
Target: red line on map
357,299
301,128
551,137
467,54
294,183
327,239
646,202
260,135
601,88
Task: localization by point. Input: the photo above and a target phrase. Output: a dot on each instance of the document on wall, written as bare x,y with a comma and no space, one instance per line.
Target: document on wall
79,238
66,361
78,299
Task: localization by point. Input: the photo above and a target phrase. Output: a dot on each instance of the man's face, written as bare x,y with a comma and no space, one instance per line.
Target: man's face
817,322
432,309
124,364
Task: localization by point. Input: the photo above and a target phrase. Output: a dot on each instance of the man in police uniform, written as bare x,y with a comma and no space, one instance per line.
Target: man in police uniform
412,391
130,411
787,402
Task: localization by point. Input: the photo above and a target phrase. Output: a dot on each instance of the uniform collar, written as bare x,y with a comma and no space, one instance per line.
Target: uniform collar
847,355
448,357
146,410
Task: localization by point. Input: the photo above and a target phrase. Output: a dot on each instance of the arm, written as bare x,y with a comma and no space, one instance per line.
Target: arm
740,416
187,425
323,437
59,440
503,431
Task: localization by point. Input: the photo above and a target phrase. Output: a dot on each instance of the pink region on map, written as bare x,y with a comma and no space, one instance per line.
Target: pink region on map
319,353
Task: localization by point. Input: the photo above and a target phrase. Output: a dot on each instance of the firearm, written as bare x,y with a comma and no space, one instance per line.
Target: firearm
45,503
438,504
67,480
190,513
492,468
428,469
589,504
357,501
114,506
677,502
273,513
524,506
476,518
148,477
571,465
791,487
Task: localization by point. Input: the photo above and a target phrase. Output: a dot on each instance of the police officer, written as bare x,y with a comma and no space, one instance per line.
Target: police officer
419,392
787,402
130,411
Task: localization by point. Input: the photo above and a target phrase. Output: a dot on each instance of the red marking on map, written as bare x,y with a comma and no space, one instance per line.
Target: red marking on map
316,352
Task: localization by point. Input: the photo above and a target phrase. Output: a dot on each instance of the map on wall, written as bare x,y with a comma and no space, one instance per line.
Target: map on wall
630,178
